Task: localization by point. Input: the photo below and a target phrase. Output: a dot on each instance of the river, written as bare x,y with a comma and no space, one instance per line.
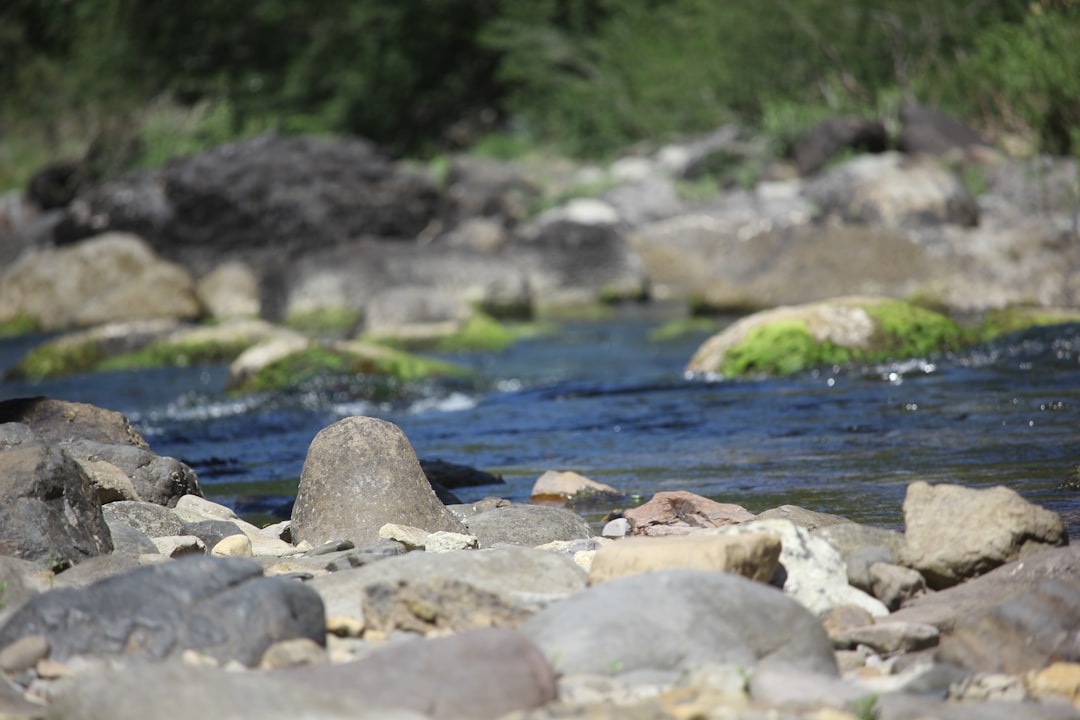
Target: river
602,399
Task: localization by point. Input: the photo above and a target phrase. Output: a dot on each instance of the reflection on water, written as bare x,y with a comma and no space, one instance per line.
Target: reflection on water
603,401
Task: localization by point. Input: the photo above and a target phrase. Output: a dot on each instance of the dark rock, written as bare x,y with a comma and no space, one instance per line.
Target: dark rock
479,187
49,511
219,606
821,143
361,473
928,130
211,532
60,421
679,619
267,195
157,479
454,476
55,185
528,525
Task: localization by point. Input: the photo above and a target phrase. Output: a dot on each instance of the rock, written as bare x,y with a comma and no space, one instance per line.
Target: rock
361,473
484,188
436,605
184,692
455,476
1027,631
676,620
110,482
793,689
152,519
928,130
811,571
412,538
60,421
842,619
889,638
953,533
267,198
128,540
23,654
229,290
1058,679
212,532
156,478
755,556
861,546
787,340
222,607
110,278
894,585
647,200
676,513
562,486
894,191
233,546
49,511
203,517
442,541
175,546
583,211
415,313
528,525
809,519
293,653
617,528
831,137
522,578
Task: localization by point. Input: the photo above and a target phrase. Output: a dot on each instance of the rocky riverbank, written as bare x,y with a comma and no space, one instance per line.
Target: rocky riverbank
128,595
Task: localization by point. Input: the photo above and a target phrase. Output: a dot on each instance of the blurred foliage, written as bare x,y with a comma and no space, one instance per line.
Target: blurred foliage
589,76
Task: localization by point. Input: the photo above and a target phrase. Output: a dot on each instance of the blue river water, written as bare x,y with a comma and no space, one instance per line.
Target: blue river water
604,400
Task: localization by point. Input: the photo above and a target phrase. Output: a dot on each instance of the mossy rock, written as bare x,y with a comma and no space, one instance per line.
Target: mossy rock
683,327
480,332
1014,319
327,322
352,358
20,324
788,340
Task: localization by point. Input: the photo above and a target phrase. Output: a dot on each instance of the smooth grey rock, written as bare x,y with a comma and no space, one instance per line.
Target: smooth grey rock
809,519
49,511
678,619
361,473
128,540
220,606
795,688
860,546
528,525
895,585
889,638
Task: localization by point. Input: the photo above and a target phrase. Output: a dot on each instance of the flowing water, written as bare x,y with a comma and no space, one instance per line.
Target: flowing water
605,401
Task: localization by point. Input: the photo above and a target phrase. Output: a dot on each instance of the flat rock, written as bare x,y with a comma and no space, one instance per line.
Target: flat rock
755,556
361,473
675,620
528,525
60,420
953,533
809,519
219,606
676,513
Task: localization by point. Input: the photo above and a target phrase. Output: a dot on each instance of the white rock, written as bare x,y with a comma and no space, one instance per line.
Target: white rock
445,541
233,546
173,546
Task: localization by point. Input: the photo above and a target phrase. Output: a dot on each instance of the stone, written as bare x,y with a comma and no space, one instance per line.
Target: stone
676,513
1027,631
174,546
222,607
528,525
953,533
617,528
895,191
128,540
811,571
49,511
149,518
561,486
925,129
813,149
809,519
861,546
110,482
842,619
520,577
413,538
436,605
889,638
894,585
442,541
229,290
23,654
293,653
109,278
361,473
792,688
455,476
415,313
674,620
1056,679
755,556
60,421
156,478
212,532
233,546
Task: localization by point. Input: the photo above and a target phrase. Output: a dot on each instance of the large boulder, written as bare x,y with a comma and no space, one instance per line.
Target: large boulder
786,340
60,420
821,143
361,473
893,190
929,130
49,511
265,197
677,620
111,277
221,607
953,533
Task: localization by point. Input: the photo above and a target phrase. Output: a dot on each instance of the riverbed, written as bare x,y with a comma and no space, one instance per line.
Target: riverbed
605,400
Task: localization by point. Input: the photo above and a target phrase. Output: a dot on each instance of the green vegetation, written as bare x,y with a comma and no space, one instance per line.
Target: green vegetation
1008,320
21,324
675,329
125,84
326,322
781,348
57,358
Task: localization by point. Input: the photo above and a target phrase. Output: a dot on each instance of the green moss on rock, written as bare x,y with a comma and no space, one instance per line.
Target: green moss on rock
781,348
57,358
1014,319
21,324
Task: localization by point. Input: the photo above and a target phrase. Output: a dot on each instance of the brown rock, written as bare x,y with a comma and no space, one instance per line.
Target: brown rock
60,421
438,605
676,513
1060,678
809,519
953,533
894,585
754,555
555,485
